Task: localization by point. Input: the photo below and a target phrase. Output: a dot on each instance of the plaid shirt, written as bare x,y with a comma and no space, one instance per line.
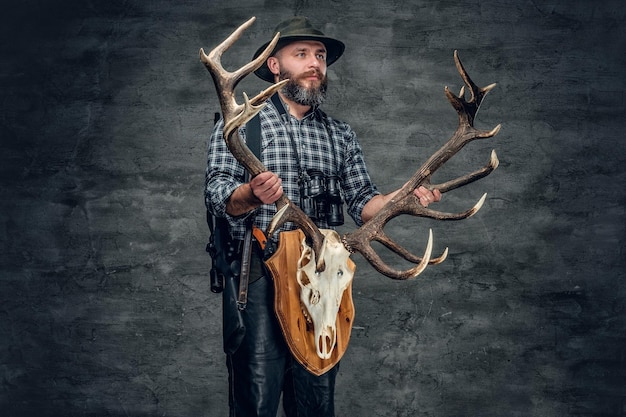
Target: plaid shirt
343,157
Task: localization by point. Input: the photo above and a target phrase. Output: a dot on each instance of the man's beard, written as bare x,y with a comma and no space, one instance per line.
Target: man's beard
306,96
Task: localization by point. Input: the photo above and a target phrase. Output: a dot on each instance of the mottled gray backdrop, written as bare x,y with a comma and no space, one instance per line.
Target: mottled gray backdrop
105,307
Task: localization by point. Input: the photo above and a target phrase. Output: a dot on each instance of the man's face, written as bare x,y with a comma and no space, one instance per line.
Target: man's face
304,64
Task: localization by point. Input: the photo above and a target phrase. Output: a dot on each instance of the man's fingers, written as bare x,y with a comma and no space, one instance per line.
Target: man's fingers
426,196
267,187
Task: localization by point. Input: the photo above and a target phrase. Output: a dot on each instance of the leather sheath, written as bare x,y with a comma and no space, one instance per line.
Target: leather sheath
244,275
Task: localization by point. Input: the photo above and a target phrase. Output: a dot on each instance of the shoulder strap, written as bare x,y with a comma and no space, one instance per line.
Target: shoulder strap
253,135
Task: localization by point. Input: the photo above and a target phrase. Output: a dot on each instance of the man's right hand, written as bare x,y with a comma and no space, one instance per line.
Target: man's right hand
265,188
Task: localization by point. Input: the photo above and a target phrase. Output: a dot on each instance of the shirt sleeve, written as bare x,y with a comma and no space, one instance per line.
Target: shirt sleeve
357,185
223,174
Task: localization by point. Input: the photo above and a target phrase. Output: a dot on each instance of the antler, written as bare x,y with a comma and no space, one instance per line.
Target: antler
236,115
405,202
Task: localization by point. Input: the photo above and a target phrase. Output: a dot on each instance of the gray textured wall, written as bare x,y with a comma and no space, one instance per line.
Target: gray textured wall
105,308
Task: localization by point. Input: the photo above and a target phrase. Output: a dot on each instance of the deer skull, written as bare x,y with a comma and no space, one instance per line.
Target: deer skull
321,291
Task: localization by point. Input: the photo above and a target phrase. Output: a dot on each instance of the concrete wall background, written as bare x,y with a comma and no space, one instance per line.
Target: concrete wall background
105,308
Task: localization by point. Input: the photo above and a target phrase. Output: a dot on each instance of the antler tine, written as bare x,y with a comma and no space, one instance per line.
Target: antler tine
394,247
469,178
405,202
414,208
374,259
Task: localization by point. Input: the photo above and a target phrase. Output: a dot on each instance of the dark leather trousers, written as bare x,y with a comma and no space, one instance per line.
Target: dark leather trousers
262,367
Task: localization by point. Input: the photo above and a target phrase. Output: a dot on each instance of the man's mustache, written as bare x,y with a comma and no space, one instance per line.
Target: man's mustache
312,73
293,77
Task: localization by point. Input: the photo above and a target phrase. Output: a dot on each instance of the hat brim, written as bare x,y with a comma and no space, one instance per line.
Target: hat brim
334,50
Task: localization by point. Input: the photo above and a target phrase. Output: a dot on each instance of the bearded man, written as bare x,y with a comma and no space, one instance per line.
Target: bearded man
302,147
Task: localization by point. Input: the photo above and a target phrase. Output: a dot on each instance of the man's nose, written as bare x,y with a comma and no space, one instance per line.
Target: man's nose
314,62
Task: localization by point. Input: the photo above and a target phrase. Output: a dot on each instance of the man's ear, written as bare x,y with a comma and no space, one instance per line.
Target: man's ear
273,65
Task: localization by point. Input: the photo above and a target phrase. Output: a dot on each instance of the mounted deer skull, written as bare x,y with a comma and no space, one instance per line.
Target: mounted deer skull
319,245
321,293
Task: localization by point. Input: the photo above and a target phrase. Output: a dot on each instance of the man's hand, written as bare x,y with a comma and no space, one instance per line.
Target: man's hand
426,196
267,187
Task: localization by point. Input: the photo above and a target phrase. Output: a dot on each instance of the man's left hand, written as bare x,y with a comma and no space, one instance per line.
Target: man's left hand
426,196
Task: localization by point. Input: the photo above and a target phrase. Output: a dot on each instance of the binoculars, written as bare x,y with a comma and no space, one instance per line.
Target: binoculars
320,197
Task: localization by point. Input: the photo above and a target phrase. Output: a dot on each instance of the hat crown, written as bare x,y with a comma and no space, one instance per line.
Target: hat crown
297,26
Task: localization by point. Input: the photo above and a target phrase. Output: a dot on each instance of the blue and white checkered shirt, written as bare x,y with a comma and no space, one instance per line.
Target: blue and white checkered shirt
343,157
